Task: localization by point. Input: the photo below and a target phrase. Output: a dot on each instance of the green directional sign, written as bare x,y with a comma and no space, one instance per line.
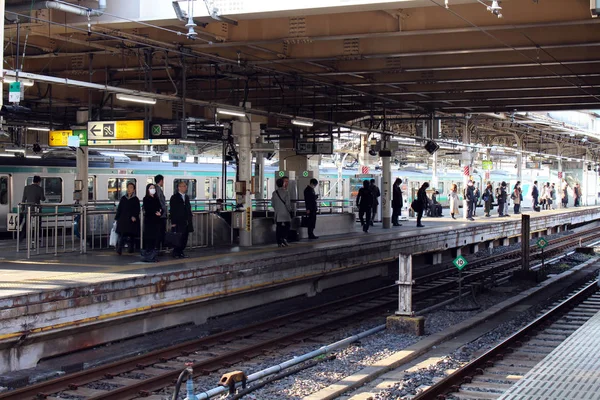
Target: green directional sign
460,262
281,174
542,243
305,174
83,136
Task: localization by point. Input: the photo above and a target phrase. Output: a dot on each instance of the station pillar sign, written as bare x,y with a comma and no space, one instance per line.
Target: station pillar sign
64,138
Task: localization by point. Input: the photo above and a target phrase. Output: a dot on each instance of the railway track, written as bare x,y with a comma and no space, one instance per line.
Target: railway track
493,373
140,376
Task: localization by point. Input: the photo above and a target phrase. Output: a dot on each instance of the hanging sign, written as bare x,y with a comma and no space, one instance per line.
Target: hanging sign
115,130
179,152
66,138
14,92
165,129
487,165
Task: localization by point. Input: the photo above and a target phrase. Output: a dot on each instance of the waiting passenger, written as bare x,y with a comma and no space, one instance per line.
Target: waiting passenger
477,197
502,197
181,217
553,196
576,195
153,212
310,202
421,203
565,194
488,198
535,194
159,181
470,196
364,202
34,193
517,197
436,207
397,202
544,197
376,195
282,205
453,196
128,219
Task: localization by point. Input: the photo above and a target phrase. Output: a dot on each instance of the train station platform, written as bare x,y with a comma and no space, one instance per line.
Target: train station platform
54,305
569,372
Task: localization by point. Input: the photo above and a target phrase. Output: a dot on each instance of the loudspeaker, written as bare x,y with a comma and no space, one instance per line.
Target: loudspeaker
431,147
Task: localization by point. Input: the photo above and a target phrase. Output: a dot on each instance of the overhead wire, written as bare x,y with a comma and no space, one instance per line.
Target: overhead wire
482,30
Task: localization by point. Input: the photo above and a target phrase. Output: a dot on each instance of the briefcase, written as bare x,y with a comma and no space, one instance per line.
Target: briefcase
173,239
304,221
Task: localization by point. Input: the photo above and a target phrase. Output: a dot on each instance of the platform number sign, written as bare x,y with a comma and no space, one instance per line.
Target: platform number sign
460,262
12,222
542,243
305,174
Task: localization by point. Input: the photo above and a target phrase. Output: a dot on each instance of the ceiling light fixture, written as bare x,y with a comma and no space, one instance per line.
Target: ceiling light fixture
12,79
15,150
302,122
234,113
34,128
135,99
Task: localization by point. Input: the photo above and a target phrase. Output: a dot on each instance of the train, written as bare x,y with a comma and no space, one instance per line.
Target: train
108,181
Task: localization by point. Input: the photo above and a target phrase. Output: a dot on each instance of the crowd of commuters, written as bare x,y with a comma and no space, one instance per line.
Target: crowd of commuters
154,212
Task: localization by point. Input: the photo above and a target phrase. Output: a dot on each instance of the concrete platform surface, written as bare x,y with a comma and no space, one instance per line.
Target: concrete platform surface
51,306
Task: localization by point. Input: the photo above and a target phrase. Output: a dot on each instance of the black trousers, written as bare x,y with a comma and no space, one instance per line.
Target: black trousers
396,213
361,216
470,207
152,235
374,212
501,207
184,239
312,222
281,231
419,216
162,230
517,208
535,202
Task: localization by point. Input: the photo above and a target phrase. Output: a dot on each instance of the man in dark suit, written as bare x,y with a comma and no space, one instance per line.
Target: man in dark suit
181,217
310,201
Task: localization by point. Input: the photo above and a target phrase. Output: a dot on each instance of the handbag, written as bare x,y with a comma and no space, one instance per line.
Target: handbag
304,221
173,239
278,195
114,236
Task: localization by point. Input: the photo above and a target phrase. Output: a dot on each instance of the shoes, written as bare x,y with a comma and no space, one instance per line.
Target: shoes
453,216
119,250
420,226
285,242
372,224
366,228
397,224
471,219
313,237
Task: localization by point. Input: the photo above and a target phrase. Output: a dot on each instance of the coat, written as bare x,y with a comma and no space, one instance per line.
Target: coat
422,202
453,202
310,199
33,194
181,212
163,201
534,192
151,220
376,193
470,194
488,195
503,196
364,199
282,205
516,196
128,207
397,197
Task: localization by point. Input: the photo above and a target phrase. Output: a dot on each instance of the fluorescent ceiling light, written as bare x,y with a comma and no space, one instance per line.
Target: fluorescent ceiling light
6,155
136,99
33,156
302,122
25,82
34,128
234,113
15,150
187,142
356,131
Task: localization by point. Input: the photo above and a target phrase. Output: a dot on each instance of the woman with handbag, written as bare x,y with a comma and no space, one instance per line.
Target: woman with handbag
282,205
488,199
128,219
453,195
153,212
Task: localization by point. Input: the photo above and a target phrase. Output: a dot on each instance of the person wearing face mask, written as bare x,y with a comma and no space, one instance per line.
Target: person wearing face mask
153,212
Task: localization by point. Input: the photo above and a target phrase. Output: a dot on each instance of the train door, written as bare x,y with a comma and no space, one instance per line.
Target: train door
212,188
4,201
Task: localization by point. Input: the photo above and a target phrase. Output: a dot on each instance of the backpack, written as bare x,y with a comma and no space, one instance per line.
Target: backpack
149,255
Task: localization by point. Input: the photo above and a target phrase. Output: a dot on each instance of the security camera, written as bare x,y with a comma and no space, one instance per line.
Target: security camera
495,9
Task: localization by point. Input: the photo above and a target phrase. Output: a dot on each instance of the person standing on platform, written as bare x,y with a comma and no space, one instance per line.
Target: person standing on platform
553,196
128,219
477,197
376,193
576,195
397,201
282,205
421,204
453,196
364,202
32,194
310,202
535,194
159,181
516,197
181,217
502,197
153,212
565,194
543,196
488,198
470,196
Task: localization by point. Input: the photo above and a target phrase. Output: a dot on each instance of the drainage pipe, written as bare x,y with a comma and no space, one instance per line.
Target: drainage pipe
294,361
60,6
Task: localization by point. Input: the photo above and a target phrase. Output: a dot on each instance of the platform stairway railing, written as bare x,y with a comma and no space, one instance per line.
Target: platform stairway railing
49,228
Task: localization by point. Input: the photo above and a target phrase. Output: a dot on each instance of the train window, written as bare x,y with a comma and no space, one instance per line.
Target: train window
229,189
91,190
191,184
3,190
440,188
326,190
53,189
149,180
117,187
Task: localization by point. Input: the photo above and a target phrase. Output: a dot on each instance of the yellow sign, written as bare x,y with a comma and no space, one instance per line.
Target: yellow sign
115,130
59,138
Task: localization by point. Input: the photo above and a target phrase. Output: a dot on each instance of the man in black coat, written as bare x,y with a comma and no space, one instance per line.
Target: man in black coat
310,201
397,202
364,202
181,217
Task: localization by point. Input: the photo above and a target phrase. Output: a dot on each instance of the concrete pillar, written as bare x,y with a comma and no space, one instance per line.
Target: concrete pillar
437,259
259,173
434,132
505,241
242,133
520,159
491,245
82,173
525,238
466,161
386,192
2,5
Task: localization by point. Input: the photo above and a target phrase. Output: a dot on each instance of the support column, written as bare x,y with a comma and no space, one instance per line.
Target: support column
242,133
434,132
259,173
82,172
386,191
2,5
466,161
520,158
525,238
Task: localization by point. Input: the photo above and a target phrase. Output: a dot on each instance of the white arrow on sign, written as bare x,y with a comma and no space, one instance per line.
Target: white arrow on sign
102,129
